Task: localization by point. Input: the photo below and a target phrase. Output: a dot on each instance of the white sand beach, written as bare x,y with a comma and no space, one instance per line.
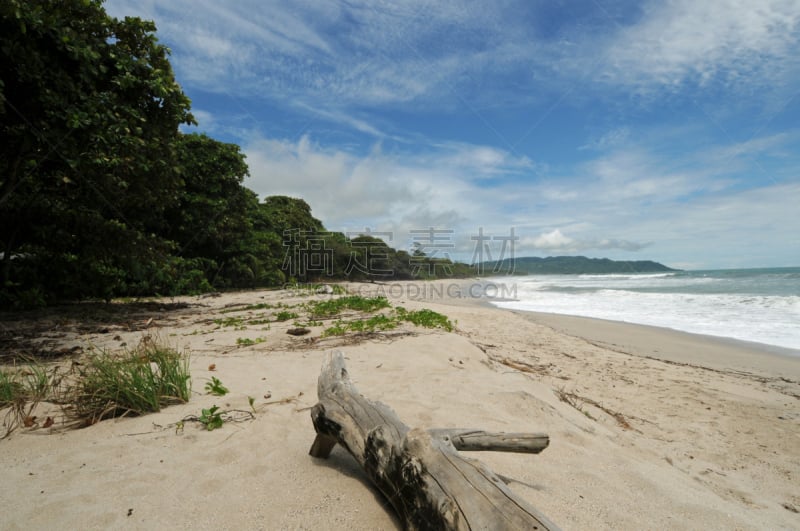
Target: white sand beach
665,430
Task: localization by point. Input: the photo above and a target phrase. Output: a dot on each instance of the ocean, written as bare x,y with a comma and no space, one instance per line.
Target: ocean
760,305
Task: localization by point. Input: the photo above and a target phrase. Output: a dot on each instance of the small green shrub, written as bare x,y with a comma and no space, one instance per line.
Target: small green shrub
339,329
211,418
284,315
247,342
216,388
426,318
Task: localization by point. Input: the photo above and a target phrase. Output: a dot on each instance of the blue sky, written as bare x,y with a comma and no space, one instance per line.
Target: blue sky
664,130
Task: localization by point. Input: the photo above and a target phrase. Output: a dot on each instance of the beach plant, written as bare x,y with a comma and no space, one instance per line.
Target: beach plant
285,315
237,322
140,381
333,307
11,390
378,322
29,383
425,318
216,388
338,329
211,418
12,397
247,342
382,321
22,389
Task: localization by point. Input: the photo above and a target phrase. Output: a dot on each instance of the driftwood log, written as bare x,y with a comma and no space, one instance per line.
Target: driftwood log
421,473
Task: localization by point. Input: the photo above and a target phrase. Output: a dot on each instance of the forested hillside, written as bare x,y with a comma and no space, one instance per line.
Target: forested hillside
572,265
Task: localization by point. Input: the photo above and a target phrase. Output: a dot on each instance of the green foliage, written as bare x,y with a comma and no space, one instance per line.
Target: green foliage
90,112
11,390
333,307
572,265
338,329
21,390
285,214
215,387
247,342
285,315
376,323
138,382
211,418
382,322
425,318
215,216
230,321
144,380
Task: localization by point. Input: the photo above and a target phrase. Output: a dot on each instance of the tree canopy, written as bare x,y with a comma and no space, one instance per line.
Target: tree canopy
90,112
102,195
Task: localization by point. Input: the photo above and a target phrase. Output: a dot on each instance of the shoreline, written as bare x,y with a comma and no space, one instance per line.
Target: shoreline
676,346
648,341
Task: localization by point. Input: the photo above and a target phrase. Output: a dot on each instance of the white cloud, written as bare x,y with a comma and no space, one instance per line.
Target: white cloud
550,240
772,145
481,161
555,241
685,41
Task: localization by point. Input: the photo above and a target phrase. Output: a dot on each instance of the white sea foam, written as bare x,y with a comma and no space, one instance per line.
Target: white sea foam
704,304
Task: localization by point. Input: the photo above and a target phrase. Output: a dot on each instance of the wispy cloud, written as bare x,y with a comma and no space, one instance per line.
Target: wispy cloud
332,55
732,42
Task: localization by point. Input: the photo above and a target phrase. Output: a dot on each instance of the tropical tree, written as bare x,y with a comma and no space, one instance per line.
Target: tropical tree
217,223
89,116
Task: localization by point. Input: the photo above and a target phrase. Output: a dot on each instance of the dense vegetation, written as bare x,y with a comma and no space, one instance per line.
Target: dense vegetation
572,265
101,195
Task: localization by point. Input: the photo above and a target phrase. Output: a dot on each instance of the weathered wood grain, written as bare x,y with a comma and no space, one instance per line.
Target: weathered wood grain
421,473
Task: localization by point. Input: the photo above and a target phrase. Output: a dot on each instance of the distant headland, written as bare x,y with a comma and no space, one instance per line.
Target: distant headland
573,265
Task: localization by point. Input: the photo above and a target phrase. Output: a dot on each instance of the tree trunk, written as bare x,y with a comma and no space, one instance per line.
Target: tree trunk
427,481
